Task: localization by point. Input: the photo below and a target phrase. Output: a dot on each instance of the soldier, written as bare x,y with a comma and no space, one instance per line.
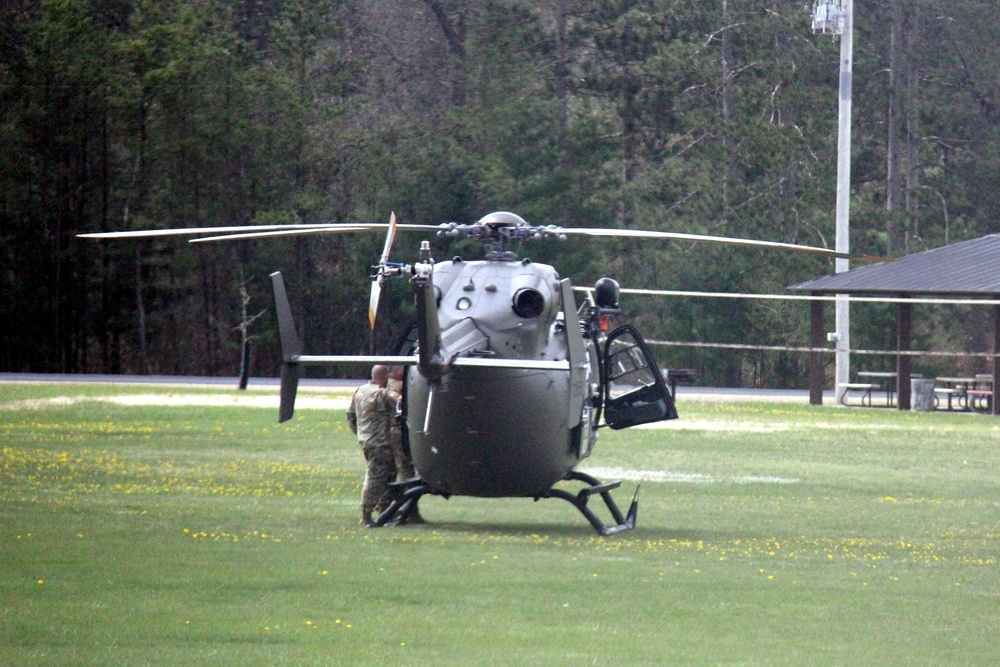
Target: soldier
371,415
404,463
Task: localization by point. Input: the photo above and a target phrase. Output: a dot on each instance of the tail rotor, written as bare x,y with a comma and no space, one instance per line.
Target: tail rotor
381,272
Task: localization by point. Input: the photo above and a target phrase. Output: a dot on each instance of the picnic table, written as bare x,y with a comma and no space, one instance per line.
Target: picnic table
673,376
956,388
874,381
864,387
888,384
981,394
971,393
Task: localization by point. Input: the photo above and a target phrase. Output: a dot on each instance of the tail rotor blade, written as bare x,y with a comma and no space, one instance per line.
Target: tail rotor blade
373,301
377,283
389,238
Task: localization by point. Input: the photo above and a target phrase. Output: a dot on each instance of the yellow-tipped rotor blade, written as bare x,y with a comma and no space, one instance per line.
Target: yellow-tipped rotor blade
373,301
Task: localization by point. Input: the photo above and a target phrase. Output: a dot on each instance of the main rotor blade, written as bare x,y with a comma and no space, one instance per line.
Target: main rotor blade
195,231
228,233
323,229
678,236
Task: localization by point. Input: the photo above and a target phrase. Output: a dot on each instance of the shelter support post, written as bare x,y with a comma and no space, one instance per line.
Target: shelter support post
817,376
904,337
995,359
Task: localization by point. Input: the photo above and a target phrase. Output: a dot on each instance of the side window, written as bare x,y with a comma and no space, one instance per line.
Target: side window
407,342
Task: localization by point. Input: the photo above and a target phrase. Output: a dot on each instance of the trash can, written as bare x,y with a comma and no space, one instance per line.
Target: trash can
922,395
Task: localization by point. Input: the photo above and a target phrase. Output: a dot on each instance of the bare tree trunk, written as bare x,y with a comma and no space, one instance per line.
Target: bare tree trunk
140,309
246,321
894,175
727,104
629,144
562,83
140,188
454,35
912,116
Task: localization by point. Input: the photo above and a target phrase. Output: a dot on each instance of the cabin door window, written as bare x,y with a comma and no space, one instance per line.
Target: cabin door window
634,390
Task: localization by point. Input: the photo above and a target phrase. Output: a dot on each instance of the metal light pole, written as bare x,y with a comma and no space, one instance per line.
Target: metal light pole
836,17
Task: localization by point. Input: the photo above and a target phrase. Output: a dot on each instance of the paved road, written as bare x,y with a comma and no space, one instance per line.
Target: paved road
691,393
167,379
191,381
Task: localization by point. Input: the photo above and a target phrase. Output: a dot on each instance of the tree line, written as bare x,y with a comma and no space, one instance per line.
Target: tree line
715,118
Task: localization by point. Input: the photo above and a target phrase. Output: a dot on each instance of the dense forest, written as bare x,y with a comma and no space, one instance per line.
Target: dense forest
680,115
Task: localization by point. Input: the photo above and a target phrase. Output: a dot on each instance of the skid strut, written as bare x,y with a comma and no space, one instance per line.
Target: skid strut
407,492
581,498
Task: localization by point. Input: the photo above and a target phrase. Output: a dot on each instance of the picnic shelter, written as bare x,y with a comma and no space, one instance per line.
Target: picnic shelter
969,270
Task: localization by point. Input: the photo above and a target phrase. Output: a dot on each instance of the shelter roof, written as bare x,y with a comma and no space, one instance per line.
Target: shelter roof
969,268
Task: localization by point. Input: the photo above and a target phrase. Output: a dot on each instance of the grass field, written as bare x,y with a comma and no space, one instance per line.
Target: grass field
137,528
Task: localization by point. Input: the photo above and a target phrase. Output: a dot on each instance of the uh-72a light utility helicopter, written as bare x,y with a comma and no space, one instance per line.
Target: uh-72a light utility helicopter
508,378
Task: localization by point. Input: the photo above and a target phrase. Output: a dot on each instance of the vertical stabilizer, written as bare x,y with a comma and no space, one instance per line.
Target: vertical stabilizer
577,353
291,348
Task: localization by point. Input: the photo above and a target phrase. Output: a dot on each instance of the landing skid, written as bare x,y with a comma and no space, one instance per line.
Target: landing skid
580,500
409,491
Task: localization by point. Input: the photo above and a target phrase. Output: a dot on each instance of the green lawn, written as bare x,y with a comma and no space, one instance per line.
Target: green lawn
154,532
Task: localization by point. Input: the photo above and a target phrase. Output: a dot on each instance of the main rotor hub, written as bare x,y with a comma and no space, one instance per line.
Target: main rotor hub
502,219
496,231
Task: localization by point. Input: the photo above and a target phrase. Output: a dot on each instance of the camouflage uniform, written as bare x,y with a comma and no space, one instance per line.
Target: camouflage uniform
372,412
404,464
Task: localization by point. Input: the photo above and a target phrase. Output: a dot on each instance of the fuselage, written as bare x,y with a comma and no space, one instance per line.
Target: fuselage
492,432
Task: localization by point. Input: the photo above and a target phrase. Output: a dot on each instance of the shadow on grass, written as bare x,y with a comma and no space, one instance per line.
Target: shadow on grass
568,530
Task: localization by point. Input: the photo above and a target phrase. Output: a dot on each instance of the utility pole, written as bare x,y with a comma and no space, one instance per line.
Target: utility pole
836,17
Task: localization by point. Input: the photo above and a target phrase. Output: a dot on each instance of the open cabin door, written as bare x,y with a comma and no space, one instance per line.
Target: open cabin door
634,390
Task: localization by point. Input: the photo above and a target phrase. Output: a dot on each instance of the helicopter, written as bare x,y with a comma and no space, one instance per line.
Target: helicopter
508,378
